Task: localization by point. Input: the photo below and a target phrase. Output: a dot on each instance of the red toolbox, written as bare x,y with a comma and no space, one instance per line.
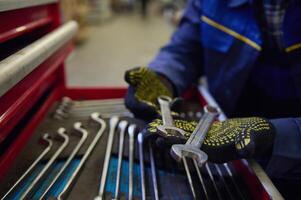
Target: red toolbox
33,47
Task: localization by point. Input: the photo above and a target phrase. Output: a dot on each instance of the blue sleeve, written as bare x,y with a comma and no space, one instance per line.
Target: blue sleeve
181,59
285,162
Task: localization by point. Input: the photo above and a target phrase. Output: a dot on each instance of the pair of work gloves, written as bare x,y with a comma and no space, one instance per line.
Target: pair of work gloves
225,141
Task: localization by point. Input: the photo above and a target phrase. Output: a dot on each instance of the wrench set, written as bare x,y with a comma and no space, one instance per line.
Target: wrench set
94,149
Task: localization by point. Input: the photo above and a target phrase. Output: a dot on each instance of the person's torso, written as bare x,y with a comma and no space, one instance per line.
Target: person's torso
232,45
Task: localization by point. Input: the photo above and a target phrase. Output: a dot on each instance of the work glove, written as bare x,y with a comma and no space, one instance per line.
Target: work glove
225,141
144,88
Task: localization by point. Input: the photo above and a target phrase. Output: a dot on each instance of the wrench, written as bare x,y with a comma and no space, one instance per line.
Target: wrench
113,123
131,131
66,101
49,142
192,147
84,134
62,133
95,117
122,126
141,161
168,126
153,171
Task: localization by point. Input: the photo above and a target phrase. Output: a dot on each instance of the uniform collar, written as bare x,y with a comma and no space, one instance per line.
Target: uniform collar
236,3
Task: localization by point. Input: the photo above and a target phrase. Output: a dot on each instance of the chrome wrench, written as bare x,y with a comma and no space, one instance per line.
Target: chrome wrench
122,127
113,123
49,142
83,134
153,171
192,147
141,162
168,126
62,133
95,117
131,131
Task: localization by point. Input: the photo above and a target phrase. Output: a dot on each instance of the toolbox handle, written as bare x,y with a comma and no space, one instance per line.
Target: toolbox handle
17,66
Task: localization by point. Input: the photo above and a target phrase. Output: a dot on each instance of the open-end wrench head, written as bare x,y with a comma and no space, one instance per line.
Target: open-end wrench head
178,151
212,109
171,130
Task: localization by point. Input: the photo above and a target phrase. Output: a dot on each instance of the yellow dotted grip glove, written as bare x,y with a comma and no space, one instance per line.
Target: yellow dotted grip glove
229,140
144,88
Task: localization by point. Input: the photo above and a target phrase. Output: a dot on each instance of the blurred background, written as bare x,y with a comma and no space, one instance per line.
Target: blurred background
115,35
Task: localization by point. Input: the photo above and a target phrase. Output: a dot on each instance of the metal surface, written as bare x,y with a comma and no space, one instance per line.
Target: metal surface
167,119
141,162
261,175
131,131
6,5
49,142
95,117
83,134
17,66
61,133
219,196
66,101
113,123
223,180
192,147
122,127
189,177
153,171
201,179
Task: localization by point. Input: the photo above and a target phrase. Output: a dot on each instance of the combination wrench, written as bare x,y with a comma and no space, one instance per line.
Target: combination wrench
131,131
66,101
122,127
113,123
61,133
83,134
153,171
192,147
141,162
46,138
168,126
95,117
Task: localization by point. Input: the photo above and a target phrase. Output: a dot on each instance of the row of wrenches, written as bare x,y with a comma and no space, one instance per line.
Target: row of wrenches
83,134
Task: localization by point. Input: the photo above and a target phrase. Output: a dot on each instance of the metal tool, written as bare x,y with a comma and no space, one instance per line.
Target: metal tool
233,180
201,178
69,102
168,125
122,127
60,114
192,147
219,196
61,133
141,162
46,138
223,180
113,123
83,134
95,117
131,131
153,170
189,177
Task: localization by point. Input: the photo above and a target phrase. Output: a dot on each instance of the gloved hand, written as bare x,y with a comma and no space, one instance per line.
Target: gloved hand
229,140
144,88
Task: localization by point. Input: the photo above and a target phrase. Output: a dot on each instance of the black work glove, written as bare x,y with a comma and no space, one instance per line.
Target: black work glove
229,140
144,88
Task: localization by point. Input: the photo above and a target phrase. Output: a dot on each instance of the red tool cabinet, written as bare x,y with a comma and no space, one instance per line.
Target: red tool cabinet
33,47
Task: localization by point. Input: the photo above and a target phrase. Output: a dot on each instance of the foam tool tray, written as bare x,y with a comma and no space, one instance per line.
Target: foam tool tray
164,178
